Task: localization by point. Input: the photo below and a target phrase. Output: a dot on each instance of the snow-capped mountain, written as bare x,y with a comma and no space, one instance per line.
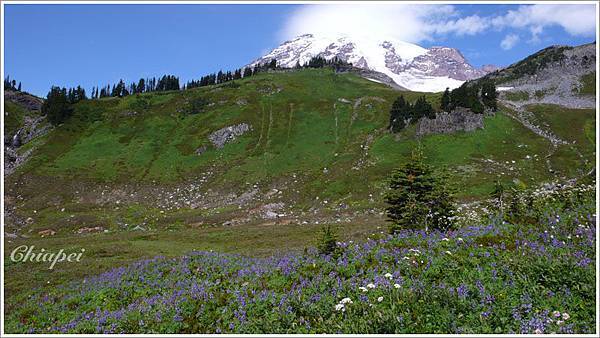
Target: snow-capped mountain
408,65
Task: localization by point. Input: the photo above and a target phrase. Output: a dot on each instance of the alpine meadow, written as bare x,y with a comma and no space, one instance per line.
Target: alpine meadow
382,179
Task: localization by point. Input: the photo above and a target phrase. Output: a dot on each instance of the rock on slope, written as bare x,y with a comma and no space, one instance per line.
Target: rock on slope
31,124
408,65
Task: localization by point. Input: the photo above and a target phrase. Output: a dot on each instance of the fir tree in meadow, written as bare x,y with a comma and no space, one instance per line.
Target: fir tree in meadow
419,197
328,241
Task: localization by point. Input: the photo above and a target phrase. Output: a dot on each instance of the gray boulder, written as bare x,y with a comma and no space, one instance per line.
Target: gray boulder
225,135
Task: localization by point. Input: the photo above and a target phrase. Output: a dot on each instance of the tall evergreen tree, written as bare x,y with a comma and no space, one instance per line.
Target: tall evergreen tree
418,198
398,114
445,104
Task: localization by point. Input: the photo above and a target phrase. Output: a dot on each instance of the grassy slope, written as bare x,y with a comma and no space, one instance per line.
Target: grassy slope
576,126
300,129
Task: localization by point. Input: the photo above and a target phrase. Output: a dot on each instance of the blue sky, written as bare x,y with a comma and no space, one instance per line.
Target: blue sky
92,45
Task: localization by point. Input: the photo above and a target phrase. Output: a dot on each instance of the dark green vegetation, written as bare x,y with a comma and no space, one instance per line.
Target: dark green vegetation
57,106
419,196
474,95
403,111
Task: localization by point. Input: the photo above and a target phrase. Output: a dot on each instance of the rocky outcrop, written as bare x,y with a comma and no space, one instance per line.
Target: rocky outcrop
33,125
25,100
458,120
225,135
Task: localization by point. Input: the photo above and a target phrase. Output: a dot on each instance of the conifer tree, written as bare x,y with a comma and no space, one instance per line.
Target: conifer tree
418,198
398,114
445,104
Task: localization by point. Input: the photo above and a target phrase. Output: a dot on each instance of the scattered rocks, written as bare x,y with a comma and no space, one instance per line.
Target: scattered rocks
46,233
87,230
201,150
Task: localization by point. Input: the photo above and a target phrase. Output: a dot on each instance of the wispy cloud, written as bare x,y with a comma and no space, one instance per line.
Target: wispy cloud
577,20
509,41
416,23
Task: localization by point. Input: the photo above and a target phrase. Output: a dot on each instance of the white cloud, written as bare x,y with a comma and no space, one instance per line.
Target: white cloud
415,23
412,23
509,41
577,20
469,25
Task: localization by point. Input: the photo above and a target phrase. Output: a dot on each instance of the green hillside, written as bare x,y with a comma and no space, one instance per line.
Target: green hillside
315,136
153,137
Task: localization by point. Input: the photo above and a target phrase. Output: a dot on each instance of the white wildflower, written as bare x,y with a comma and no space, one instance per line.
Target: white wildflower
397,286
565,316
371,286
346,301
449,253
363,289
380,299
339,307
388,275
